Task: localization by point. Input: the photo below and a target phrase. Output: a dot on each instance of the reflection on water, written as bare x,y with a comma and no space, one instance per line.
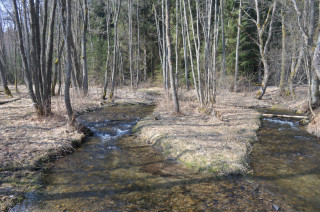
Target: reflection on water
286,160
113,171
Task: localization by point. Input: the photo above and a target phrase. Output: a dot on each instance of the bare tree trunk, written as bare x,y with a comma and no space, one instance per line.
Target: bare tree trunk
316,58
27,37
236,71
35,54
117,11
145,64
185,49
68,62
138,46
172,80
160,46
263,47
4,80
49,59
207,33
177,43
56,65
223,66
164,49
295,65
106,79
196,38
15,68
190,51
130,41
283,54
3,67
84,48
44,88
214,53
27,75
307,34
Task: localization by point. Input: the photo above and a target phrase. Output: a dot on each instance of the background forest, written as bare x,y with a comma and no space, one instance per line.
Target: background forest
206,45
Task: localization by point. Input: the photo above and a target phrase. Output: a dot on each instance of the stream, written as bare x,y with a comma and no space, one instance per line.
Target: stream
287,161
114,171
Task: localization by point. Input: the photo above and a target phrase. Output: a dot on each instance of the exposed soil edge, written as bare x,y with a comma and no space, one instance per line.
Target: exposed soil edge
43,163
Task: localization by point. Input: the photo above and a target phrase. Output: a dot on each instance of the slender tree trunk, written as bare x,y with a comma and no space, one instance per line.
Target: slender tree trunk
263,47
185,49
27,36
160,46
164,49
117,11
315,94
172,80
68,62
106,78
214,53
27,75
236,71
196,39
84,48
4,80
145,64
138,46
56,65
177,43
295,65
35,55
190,51
207,32
45,90
16,79
3,67
48,61
130,42
283,55
307,33
223,66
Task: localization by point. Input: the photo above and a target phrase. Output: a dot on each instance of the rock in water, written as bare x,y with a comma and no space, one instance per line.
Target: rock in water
275,207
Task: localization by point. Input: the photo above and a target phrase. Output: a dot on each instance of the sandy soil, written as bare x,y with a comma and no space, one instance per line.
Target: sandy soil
220,144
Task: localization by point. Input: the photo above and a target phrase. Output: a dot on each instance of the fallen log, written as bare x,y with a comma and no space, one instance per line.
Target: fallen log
284,116
13,100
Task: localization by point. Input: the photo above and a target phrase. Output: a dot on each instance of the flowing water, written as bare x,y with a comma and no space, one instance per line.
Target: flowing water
114,171
287,161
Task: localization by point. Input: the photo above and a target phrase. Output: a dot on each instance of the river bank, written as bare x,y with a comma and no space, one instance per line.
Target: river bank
28,143
220,145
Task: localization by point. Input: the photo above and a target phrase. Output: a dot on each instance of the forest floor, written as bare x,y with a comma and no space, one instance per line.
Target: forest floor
220,144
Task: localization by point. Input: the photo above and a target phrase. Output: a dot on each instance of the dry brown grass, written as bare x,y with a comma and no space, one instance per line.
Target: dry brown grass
220,143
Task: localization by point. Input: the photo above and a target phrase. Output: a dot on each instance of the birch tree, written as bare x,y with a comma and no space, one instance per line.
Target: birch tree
172,76
262,43
236,71
84,47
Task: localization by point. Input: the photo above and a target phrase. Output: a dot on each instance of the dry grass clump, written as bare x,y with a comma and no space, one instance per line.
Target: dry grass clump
216,140
198,140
